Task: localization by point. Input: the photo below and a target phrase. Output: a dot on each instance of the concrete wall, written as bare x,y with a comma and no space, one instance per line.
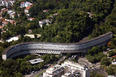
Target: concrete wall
54,48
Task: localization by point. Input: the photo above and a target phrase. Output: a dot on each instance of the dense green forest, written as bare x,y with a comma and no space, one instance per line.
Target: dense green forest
70,25
72,22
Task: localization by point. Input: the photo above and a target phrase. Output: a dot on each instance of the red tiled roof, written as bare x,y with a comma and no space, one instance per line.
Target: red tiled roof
45,10
12,22
5,22
1,26
1,19
4,9
27,8
22,2
31,18
114,56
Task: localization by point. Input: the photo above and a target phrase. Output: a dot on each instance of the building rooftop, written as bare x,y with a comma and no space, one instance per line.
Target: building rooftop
15,38
35,61
22,2
27,8
54,69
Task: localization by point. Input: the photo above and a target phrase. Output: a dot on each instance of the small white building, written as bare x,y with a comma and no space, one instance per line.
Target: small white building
15,38
32,35
11,13
45,21
3,10
35,61
26,11
31,19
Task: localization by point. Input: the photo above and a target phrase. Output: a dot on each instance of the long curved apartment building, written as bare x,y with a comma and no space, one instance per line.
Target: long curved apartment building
54,48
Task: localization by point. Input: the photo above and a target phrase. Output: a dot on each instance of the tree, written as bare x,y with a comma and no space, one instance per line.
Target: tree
27,58
9,68
110,45
93,50
18,74
94,74
105,61
16,16
110,71
104,48
111,53
7,16
5,35
90,58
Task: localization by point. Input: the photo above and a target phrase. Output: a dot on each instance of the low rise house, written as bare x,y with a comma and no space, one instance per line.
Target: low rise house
1,27
31,19
45,21
90,14
25,4
7,3
11,13
114,59
22,4
1,3
45,10
15,38
0,14
32,35
27,10
12,22
1,19
6,21
3,10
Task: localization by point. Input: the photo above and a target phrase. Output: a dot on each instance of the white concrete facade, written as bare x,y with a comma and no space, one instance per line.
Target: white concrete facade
45,21
74,70
25,4
72,66
55,71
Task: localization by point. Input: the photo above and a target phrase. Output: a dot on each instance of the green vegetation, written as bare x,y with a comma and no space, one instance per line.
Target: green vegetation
94,55
70,25
94,74
107,25
21,66
111,53
105,61
40,73
110,71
